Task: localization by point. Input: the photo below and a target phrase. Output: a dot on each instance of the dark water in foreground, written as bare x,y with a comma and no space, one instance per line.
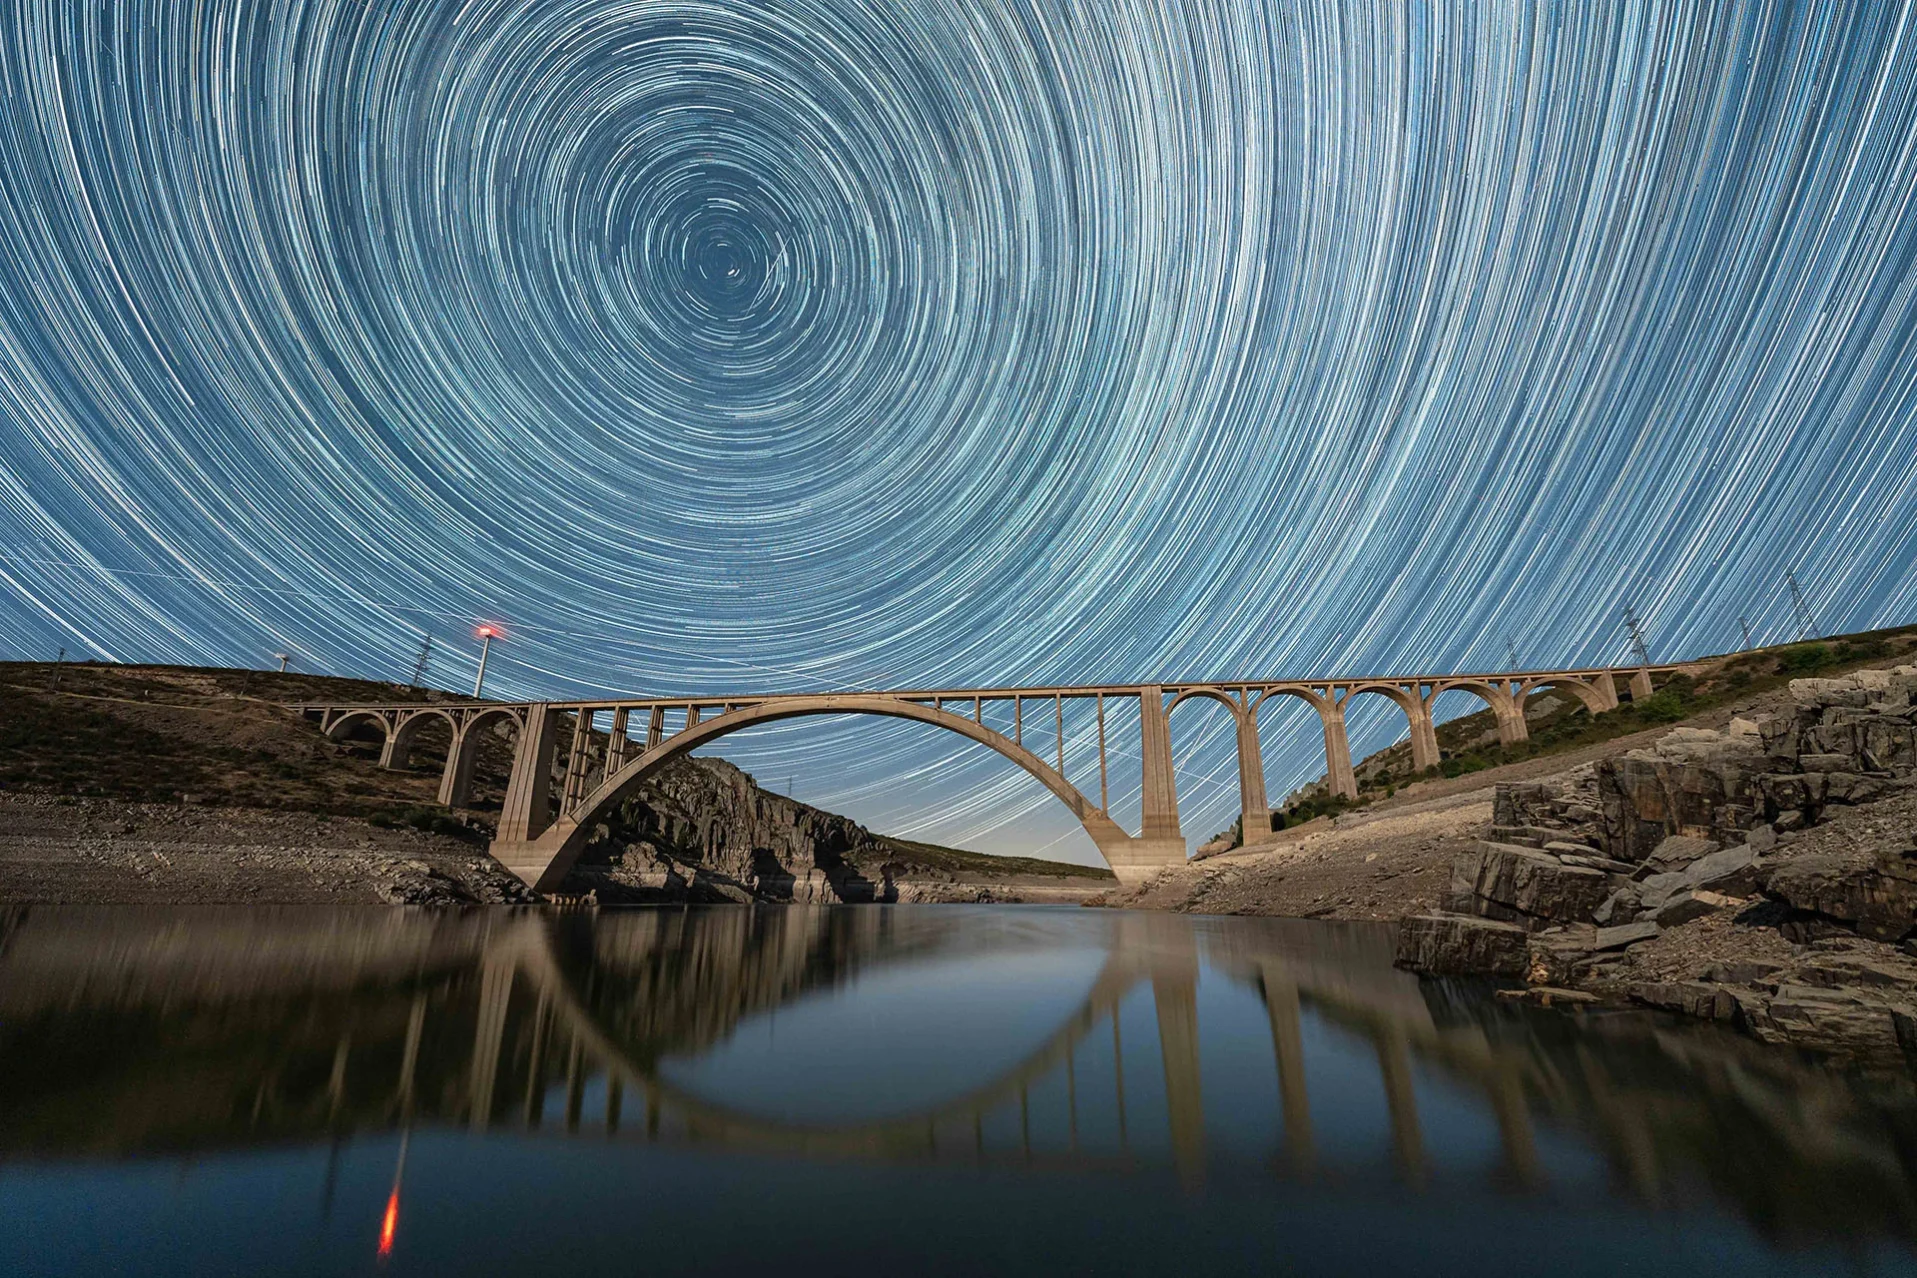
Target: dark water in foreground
885,1090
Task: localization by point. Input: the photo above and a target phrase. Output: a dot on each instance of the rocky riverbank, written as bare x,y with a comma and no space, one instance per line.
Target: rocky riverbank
1763,875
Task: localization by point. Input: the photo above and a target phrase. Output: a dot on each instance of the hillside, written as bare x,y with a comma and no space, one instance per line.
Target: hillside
171,772
1389,854
1559,724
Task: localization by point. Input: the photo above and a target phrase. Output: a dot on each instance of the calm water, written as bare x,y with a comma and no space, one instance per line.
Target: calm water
887,1090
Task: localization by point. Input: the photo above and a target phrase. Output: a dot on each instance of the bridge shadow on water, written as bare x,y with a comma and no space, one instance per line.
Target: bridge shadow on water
944,1088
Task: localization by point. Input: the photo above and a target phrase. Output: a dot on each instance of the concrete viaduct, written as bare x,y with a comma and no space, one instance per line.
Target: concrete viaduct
539,840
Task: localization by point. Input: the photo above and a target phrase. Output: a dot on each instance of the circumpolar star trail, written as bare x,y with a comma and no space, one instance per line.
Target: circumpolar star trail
819,343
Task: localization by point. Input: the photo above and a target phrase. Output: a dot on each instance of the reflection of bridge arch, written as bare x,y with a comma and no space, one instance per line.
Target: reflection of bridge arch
539,963
1392,1016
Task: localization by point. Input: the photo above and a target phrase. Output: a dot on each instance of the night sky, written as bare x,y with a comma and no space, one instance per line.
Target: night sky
824,344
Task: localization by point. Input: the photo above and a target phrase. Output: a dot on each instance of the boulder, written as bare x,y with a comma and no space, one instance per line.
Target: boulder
1733,871
1628,934
1685,906
1603,863
1461,943
1875,891
1653,892
1703,999
1619,907
1647,797
1518,884
1679,850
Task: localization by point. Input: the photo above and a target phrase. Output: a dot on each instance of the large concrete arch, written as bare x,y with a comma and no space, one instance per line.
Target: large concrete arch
536,959
544,857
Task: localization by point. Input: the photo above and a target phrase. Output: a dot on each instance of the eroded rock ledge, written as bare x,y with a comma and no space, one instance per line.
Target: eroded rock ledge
702,830
1765,875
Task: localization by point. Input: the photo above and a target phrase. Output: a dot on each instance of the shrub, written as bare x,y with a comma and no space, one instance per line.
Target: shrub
1803,658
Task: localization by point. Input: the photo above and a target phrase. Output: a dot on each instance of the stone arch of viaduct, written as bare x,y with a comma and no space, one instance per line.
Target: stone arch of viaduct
540,840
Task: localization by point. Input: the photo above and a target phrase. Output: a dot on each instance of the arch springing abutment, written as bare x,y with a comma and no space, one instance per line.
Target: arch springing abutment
541,834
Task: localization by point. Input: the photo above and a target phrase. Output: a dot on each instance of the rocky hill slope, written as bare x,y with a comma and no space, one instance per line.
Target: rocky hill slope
187,784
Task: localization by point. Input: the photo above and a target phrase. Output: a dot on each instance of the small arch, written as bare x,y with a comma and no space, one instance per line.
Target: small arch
406,736
1419,731
1583,690
342,728
1331,727
473,721
1503,706
1252,815
1215,694
1324,705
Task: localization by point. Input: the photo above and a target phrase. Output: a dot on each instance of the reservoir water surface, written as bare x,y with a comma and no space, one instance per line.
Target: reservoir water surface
887,1090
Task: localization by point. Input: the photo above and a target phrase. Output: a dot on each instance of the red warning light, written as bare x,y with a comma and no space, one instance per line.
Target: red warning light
486,632
390,1225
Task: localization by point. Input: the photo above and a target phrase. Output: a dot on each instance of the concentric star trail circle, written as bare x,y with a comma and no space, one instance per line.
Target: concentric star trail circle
826,343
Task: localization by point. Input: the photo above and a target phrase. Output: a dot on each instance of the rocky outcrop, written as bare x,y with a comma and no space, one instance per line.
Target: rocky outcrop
1842,743
1874,891
1522,885
1454,943
1659,876
702,830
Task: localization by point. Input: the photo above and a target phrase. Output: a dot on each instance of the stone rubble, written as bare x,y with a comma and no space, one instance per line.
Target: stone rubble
1800,826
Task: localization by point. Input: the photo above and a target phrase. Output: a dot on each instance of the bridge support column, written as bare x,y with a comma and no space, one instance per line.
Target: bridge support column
1607,690
397,751
1256,822
1175,995
1407,1137
528,807
495,995
1338,770
1424,737
456,782
1288,1044
618,750
1641,686
1160,799
1512,730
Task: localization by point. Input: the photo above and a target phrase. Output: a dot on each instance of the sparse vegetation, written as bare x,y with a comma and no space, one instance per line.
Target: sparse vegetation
1558,723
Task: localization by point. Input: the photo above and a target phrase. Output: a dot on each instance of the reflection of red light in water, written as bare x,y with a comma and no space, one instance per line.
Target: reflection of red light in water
390,1225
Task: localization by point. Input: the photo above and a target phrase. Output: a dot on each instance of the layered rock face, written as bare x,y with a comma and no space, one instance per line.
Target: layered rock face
1717,825
702,830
